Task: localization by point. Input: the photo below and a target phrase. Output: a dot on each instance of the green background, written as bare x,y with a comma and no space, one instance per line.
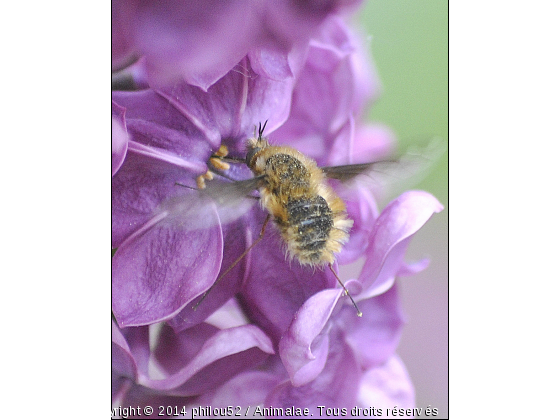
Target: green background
409,44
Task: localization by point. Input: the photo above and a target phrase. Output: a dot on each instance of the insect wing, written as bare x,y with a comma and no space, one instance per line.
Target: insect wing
197,209
402,172
345,173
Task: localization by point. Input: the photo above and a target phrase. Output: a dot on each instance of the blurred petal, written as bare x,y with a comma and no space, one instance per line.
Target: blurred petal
271,63
140,396
246,389
119,138
199,42
409,269
391,235
122,360
329,90
386,387
362,209
122,44
374,337
372,143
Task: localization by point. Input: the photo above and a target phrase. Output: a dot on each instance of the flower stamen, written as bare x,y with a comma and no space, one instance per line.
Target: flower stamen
216,162
201,179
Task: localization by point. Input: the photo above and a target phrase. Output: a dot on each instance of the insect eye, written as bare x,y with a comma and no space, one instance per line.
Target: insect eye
250,154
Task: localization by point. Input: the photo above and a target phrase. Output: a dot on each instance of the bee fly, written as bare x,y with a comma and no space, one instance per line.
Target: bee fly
311,218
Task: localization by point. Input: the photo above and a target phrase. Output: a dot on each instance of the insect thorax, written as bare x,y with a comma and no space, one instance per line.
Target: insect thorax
291,193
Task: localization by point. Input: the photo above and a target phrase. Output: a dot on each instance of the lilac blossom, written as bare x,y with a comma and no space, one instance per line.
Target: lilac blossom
271,333
119,138
197,369
200,41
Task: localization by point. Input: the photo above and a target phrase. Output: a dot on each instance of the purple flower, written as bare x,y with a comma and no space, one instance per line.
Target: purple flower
200,41
271,333
119,138
218,365
158,267
190,363
331,92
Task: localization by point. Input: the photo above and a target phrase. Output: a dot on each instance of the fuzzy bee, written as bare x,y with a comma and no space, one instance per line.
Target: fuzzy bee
309,215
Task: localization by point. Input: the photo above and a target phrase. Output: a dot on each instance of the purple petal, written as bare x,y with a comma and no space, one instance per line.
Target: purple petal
138,188
293,22
325,97
175,351
156,273
391,235
122,360
229,315
367,84
231,107
122,45
119,138
221,357
303,349
275,288
267,99
372,143
194,41
410,269
130,352
140,396
387,386
339,145
155,120
313,111
271,63
336,386
374,337
120,387
237,238
199,42
362,209
245,390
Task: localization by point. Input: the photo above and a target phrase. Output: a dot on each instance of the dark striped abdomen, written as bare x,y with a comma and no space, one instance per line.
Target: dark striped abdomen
312,220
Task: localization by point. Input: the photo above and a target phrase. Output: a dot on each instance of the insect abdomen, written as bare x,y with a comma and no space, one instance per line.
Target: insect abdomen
311,218
310,221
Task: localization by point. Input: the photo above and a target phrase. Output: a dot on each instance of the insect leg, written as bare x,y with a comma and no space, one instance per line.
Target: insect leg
346,291
261,235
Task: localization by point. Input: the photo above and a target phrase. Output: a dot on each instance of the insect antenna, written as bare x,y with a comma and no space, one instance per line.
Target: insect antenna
346,291
261,129
261,235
